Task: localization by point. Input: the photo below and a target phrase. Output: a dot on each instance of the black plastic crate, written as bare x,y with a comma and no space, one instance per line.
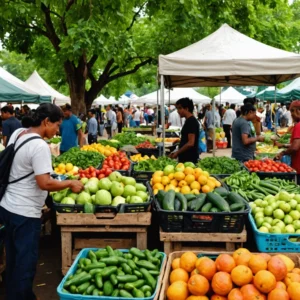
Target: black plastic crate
149,151
67,208
292,176
142,175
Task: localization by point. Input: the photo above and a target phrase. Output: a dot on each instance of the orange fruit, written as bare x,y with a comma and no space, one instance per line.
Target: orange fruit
165,180
185,189
211,184
294,291
158,186
257,263
200,259
197,298
188,171
277,266
178,291
238,252
197,172
171,176
278,294
221,283
189,179
235,294
217,297
206,189
241,275
243,259
296,270
198,285
291,277
266,256
202,179
158,173
182,183
195,185
225,263
188,261
195,192
194,272
205,173
280,285
179,275
290,265
179,176
156,179
176,263
264,281
174,182
249,292
206,268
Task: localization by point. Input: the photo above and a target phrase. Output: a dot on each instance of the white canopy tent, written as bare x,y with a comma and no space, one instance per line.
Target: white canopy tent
101,100
41,87
124,100
230,95
226,58
174,95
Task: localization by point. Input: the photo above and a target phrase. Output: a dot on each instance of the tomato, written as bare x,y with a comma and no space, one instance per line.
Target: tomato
93,174
97,172
101,176
107,172
82,176
88,176
111,164
255,169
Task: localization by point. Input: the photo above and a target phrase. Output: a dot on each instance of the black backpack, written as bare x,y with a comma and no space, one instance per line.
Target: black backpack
6,160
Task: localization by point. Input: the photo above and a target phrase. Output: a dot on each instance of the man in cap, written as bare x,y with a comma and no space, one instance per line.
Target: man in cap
70,130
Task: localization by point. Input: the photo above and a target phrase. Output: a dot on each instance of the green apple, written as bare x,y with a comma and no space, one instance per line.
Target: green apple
275,229
288,219
265,224
297,198
298,231
252,205
285,207
260,214
268,211
278,214
278,223
298,207
296,224
270,199
263,229
258,202
256,210
293,204
276,197
264,204
295,214
259,221
289,229
274,205
268,220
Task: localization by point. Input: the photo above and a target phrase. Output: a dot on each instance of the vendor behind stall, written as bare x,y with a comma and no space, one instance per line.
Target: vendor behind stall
293,148
188,147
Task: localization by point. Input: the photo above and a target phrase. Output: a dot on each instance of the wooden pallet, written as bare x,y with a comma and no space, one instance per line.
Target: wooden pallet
134,223
165,284
173,240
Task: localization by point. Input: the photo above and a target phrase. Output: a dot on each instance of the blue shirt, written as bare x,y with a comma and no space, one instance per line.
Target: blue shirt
68,131
9,126
92,126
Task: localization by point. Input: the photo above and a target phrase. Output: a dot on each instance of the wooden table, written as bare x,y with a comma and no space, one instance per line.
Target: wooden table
70,223
173,240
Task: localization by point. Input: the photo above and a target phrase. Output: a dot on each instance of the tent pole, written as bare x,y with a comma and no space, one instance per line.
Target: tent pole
214,128
157,97
162,112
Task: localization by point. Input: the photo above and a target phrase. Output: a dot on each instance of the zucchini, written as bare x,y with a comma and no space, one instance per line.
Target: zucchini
234,197
168,201
237,207
189,197
160,196
221,191
206,207
218,201
214,210
183,201
177,205
197,203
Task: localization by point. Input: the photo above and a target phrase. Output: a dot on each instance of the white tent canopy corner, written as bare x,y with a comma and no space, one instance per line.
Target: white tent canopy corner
230,95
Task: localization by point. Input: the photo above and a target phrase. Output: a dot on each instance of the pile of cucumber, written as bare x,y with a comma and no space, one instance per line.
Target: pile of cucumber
220,200
113,273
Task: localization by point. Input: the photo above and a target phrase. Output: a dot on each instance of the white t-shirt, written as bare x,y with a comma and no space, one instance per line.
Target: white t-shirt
137,116
288,116
229,117
175,119
25,198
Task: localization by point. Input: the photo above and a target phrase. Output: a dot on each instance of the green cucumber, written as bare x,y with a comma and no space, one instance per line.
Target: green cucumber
137,293
146,288
235,198
183,201
168,201
214,210
160,196
177,205
83,287
237,207
148,294
115,293
206,207
125,294
108,288
189,197
221,191
218,201
90,289
127,278
197,203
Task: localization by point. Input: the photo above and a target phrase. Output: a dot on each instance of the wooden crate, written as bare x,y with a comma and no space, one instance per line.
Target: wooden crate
294,256
135,223
173,241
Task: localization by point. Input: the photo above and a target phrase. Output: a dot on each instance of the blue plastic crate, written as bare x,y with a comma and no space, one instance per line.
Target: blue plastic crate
271,242
83,254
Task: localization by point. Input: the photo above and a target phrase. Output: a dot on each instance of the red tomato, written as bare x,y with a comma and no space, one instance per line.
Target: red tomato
82,176
93,174
97,172
255,170
107,172
111,164
101,176
88,176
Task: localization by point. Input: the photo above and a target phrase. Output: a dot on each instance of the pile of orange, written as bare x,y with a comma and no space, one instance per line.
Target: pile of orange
240,276
185,180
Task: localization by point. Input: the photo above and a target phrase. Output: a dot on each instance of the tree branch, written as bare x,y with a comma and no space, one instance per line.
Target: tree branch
132,71
135,16
55,13
92,60
70,3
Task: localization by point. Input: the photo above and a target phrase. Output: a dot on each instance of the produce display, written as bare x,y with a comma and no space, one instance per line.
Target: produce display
278,213
268,165
145,144
153,165
117,161
55,140
113,190
105,150
81,159
93,172
267,148
131,138
219,165
238,276
66,169
183,179
113,143
139,157
251,187
218,201
114,273
285,139
168,140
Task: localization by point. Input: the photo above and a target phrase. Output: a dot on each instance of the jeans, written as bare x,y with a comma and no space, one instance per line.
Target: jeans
92,139
137,123
21,243
227,130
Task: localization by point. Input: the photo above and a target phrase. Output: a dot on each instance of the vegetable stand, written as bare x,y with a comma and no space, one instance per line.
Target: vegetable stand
134,223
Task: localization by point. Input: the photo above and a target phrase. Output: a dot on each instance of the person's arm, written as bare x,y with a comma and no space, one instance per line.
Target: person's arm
294,147
5,133
80,137
247,141
47,183
4,140
188,145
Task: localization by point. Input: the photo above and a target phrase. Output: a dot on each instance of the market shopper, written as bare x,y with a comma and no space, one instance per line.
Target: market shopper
70,130
244,137
188,147
120,119
293,148
228,118
21,205
92,127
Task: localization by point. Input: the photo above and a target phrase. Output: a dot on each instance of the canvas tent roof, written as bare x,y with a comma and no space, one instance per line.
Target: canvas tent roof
230,95
175,94
101,100
228,58
40,86
15,90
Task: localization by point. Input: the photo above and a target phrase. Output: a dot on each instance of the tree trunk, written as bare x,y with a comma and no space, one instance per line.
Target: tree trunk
92,94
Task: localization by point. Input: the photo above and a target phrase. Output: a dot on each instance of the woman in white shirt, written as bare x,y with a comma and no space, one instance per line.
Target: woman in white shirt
228,118
22,202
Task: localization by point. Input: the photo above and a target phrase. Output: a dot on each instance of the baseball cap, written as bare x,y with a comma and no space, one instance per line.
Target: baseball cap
66,107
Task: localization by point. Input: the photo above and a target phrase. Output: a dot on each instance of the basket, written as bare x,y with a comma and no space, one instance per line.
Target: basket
287,176
83,254
272,242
